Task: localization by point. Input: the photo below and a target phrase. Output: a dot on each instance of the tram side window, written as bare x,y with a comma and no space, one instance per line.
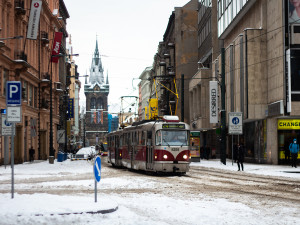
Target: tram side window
121,140
158,138
142,138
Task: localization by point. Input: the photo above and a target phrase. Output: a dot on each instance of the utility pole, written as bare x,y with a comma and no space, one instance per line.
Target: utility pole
182,97
223,112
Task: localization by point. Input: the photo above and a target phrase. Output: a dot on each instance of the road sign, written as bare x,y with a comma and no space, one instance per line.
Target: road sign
235,120
14,114
6,127
61,136
13,96
97,169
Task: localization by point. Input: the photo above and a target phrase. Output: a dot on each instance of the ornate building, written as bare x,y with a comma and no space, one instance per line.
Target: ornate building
96,92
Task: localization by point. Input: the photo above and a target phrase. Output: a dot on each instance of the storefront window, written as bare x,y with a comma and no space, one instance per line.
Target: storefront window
288,129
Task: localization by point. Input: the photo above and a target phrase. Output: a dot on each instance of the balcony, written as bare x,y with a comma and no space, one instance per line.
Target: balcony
44,103
20,55
44,37
19,7
58,87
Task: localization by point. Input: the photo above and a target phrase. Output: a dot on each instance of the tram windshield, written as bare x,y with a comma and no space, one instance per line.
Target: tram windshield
172,137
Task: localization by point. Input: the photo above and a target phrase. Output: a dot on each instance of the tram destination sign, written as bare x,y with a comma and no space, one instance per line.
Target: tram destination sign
173,126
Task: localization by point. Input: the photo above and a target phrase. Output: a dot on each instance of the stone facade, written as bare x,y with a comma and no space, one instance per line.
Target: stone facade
27,60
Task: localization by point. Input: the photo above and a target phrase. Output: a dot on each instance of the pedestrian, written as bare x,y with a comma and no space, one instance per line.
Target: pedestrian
31,154
294,149
240,157
235,149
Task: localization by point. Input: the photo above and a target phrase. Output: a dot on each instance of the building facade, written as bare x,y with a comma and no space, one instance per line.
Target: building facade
260,42
96,92
176,56
29,61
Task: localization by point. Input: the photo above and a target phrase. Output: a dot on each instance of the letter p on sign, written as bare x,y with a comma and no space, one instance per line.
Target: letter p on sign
13,95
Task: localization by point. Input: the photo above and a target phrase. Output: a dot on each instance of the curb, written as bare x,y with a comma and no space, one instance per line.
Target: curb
104,211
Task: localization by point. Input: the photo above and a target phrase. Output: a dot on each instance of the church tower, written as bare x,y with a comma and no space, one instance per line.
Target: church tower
96,91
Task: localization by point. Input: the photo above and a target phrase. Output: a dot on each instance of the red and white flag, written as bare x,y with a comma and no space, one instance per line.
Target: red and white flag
56,46
34,19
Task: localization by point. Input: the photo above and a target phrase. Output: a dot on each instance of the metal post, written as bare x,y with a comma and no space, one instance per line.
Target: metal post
51,153
95,191
6,151
223,111
66,120
232,148
12,157
182,97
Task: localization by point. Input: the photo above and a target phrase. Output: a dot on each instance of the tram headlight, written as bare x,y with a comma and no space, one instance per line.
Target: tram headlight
185,156
165,156
155,156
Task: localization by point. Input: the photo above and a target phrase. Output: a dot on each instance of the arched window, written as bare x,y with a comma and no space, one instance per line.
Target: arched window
93,103
99,103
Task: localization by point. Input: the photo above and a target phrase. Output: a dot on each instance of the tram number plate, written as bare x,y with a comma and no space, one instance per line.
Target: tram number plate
175,149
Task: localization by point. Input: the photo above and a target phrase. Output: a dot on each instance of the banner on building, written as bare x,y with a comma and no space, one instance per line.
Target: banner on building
213,102
99,116
95,116
56,46
153,108
71,108
34,19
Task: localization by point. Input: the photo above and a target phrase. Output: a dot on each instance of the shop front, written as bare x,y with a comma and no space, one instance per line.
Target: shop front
288,129
195,146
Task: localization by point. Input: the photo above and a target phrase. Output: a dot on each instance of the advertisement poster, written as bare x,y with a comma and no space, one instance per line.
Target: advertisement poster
294,11
195,144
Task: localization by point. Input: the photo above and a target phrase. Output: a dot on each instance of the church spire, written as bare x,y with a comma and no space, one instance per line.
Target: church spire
96,53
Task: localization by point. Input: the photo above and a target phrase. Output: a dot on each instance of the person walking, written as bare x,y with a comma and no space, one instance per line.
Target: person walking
31,154
240,157
294,149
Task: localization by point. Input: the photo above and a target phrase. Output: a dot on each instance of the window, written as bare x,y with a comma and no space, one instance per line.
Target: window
24,91
175,137
93,103
35,97
158,138
30,97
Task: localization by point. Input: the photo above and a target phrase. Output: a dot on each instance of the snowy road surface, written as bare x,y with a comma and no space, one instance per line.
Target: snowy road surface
211,193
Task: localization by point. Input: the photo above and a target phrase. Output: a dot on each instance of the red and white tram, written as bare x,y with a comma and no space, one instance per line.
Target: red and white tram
158,146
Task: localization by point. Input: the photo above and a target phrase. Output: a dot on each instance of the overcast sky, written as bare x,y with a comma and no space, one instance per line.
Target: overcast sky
128,34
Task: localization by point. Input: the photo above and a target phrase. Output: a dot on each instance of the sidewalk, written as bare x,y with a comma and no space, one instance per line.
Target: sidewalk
259,169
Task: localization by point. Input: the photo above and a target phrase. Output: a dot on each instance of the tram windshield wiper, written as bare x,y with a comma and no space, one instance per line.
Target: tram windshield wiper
166,142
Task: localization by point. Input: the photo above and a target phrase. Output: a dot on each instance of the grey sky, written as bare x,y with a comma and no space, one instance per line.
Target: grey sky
128,34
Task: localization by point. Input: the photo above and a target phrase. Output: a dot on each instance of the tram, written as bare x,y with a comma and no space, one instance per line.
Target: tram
157,146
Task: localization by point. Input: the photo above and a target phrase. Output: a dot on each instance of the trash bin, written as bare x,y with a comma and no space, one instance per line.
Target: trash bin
51,159
60,157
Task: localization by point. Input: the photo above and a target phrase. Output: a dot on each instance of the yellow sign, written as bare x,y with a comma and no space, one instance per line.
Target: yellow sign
288,124
153,108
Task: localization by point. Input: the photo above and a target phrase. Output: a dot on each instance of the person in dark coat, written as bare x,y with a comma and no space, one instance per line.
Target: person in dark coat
240,157
31,154
235,149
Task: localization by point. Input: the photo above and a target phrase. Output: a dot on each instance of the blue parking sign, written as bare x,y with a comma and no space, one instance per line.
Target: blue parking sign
13,93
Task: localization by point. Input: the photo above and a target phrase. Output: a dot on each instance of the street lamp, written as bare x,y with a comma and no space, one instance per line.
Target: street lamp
51,149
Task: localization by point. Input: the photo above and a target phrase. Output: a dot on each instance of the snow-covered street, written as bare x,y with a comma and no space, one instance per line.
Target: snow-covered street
211,193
